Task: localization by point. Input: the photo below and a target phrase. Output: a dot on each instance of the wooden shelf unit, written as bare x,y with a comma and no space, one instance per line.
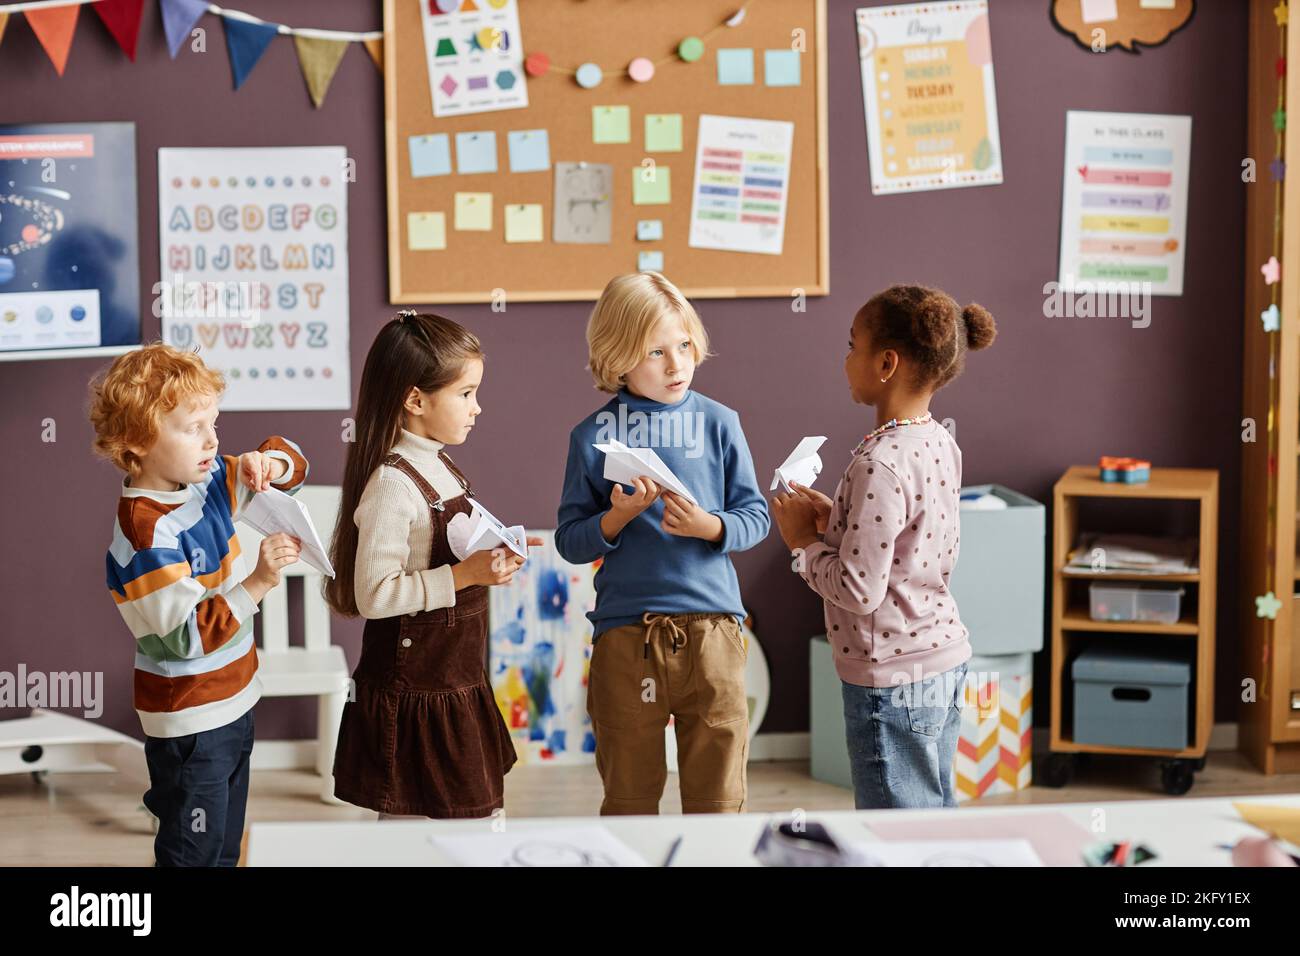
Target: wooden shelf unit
1197,485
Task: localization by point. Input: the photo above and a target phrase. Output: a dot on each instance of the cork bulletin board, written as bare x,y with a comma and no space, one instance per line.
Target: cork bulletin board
460,265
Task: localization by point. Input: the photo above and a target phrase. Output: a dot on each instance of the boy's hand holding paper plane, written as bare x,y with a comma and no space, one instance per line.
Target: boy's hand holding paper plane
274,512
625,465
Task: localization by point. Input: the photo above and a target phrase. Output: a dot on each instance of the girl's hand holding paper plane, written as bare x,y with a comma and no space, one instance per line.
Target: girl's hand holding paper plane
821,504
489,568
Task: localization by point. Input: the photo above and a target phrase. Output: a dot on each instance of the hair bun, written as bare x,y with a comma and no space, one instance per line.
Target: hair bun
932,323
981,330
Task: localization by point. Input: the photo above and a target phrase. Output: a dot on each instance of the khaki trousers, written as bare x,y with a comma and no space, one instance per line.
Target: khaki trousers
690,666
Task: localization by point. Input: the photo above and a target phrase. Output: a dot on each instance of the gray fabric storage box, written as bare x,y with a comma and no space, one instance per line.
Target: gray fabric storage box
1000,574
1126,697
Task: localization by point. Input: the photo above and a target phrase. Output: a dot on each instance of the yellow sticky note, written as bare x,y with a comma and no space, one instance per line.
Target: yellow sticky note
611,124
474,211
426,231
524,223
651,185
663,132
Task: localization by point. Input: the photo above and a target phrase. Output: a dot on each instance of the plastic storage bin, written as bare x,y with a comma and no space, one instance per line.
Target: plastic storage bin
1134,602
1129,697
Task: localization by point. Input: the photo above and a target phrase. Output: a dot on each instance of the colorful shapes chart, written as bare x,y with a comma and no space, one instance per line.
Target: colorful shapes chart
928,95
254,266
475,57
742,184
1124,201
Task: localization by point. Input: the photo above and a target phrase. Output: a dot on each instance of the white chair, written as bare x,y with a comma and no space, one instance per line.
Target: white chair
48,740
318,668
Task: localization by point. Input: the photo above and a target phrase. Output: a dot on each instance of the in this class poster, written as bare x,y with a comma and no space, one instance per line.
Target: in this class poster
69,237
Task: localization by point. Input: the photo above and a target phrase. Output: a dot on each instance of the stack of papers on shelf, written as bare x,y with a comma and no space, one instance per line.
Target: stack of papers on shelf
1132,554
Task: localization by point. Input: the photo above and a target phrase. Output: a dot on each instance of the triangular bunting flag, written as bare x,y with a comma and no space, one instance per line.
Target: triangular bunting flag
375,48
319,58
4,18
246,42
122,17
179,17
54,27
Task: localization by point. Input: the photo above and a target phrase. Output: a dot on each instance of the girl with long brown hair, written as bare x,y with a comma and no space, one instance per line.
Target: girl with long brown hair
423,736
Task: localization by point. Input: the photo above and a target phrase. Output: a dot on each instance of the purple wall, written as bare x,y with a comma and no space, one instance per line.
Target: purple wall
1051,392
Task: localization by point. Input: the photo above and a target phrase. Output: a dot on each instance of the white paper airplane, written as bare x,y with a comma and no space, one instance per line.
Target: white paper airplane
803,465
487,532
625,465
274,512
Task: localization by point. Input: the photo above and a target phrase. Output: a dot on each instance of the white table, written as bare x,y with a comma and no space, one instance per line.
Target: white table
1182,832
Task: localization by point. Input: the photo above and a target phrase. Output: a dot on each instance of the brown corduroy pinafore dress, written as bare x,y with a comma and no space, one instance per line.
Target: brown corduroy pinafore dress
424,735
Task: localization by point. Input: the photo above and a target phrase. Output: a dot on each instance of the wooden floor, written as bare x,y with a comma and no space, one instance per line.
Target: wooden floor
92,819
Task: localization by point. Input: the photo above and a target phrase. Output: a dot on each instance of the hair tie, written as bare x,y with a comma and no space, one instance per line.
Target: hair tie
405,314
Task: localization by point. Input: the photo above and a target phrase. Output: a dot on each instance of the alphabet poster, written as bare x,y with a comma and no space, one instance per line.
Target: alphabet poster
1124,201
254,250
927,90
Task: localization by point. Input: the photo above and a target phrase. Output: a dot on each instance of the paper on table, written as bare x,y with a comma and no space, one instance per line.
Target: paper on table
540,846
484,532
1280,822
1017,852
1057,839
274,512
625,465
802,466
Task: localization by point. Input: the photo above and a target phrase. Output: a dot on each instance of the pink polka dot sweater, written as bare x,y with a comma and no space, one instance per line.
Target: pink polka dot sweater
882,566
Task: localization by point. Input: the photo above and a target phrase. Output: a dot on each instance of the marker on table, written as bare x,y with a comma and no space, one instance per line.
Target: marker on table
672,852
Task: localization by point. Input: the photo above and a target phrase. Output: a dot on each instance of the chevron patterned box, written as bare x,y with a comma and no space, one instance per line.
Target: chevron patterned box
994,753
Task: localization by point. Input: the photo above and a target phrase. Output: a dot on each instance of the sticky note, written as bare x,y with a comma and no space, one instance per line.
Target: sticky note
430,155
1157,4
530,150
736,66
474,211
611,124
476,152
1096,11
663,132
524,223
781,67
651,186
649,230
650,261
425,231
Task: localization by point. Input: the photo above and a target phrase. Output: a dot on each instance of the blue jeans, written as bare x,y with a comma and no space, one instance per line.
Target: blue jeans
198,790
903,741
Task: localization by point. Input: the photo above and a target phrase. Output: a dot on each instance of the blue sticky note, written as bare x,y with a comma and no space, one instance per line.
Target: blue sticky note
736,67
530,150
430,155
781,67
476,152
650,261
649,230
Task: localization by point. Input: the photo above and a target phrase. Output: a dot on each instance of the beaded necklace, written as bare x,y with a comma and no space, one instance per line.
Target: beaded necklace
893,423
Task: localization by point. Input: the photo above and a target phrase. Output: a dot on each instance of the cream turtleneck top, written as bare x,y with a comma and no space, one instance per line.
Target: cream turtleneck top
395,536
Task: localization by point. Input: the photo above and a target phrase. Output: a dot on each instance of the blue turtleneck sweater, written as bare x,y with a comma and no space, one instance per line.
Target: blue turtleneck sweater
645,568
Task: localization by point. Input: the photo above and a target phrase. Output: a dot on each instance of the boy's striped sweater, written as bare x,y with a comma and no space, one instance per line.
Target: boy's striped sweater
174,570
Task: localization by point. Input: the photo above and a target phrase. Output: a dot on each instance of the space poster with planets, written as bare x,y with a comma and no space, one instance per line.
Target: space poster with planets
254,252
69,238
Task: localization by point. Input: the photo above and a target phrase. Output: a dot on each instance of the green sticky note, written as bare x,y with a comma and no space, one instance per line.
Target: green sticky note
651,186
611,124
474,211
524,223
426,231
663,132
